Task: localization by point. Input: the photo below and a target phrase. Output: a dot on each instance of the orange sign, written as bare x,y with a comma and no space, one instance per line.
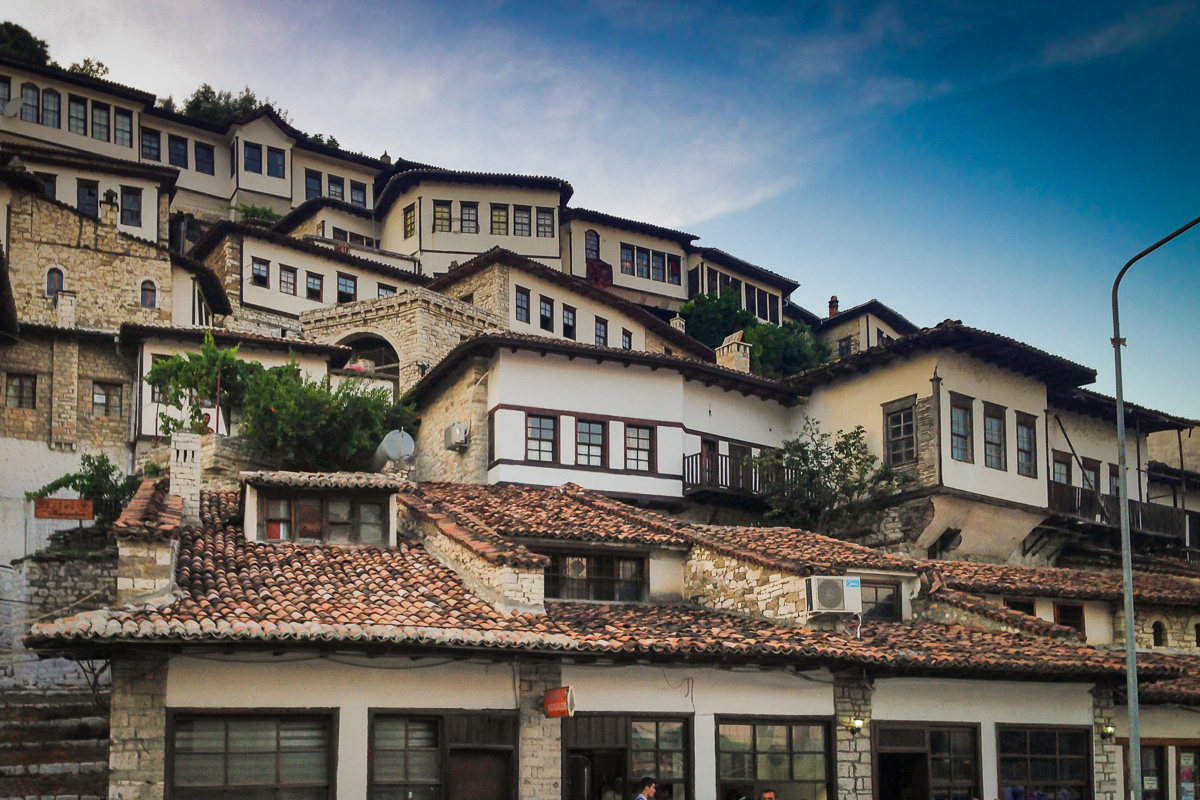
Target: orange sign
559,702
58,508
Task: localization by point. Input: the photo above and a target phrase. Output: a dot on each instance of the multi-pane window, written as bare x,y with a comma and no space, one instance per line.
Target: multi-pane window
643,263
1044,762
540,438
52,109
522,223
260,272
658,749
333,520
1026,446
639,448
626,339
123,127
626,259
1091,475
589,443
312,184
131,206
901,435
522,304
786,756
252,157
177,151
77,115
151,145
591,244
106,399
595,576
5,90
625,748
49,184
469,223
952,768
206,156
406,760
276,163
658,266
100,121
960,429
601,332
250,756
844,346
568,322
287,280
881,600
358,194
385,290
441,216
410,221
149,295
1114,480
87,198
314,287
546,313
1022,604
31,99
347,288
337,187
20,391
674,270
499,220
545,223
1062,468
54,281
1070,615
994,451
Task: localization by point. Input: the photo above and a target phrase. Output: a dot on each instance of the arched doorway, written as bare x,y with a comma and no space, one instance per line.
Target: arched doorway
374,353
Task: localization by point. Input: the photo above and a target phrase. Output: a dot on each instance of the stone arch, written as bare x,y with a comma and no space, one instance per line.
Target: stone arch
61,275
1191,633
149,294
375,346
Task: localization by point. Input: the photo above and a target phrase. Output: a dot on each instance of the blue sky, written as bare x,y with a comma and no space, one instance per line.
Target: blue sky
994,163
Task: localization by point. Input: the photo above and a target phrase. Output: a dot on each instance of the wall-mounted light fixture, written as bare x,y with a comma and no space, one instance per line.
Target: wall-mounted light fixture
1107,733
853,724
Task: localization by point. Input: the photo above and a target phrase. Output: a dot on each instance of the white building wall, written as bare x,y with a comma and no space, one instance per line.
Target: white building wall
67,186
986,703
611,239
1096,439
586,313
303,160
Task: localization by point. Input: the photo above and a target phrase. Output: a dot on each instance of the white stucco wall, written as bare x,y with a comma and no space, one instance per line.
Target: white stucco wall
67,184
987,703
272,298
1096,439
303,160
611,239
586,312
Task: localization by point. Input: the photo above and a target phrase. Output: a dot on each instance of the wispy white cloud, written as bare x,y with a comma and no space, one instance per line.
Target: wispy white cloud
1137,29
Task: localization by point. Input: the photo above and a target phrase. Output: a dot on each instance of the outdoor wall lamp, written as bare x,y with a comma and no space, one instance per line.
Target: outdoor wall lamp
852,724
1108,733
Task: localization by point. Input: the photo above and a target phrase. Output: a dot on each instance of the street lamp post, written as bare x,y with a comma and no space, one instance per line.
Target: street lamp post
1131,684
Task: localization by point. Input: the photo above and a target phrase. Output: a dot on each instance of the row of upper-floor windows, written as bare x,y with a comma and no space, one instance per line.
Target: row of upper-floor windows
1063,466
147,290
314,282
87,198
318,184
505,220
101,121
900,434
181,152
758,301
21,392
569,321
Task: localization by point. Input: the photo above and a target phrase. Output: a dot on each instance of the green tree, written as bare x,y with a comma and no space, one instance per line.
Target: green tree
98,480
317,138
89,67
210,105
189,382
778,350
17,42
257,213
827,483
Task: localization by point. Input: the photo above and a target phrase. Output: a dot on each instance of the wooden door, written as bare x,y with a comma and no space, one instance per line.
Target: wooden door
479,775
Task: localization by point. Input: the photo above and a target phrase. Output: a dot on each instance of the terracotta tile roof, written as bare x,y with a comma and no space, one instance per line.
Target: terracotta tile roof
889,315
152,515
1020,580
220,506
799,551
621,223
1005,615
1181,691
474,534
325,480
562,513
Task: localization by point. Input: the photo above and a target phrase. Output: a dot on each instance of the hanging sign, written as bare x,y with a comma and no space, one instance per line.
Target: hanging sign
559,702
59,508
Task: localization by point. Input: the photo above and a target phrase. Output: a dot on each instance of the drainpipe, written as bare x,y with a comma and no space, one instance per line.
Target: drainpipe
937,422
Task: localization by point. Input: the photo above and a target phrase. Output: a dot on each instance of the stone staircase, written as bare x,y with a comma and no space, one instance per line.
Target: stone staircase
53,746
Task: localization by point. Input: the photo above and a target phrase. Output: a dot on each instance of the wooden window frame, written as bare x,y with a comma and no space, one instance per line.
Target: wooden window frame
309,176
1089,475
261,279
442,217
358,189
1058,457
31,111
286,273
1019,604
626,339
1027,456
896,587
80,185
546,313
546,216
172,139
569,328
928,728
591,244
601,326
46,112
621,726
149,135
56,281
642,262
1086,785
651,451
308,286
499,219
356,499
1059,607
554,434
77,124
468,212
148,294
522,221
674,270
993,413
101,122
20,381
353,281
898,408
960,402
258,164
210,160
829,753
340,183
604,459
118,115
113,397
410,220
273,156
595,579
131,212
526,309
627,258
384,290
658,266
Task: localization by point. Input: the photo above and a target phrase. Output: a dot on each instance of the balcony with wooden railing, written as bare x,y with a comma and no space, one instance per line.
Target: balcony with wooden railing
724,474
1104,509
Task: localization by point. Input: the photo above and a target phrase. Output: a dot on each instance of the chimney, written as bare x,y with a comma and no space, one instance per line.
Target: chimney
385,158
64,308
734,353
185,473
110,213
678,323
833,306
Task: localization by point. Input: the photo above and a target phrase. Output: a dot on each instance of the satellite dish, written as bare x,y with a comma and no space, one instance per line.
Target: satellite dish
12,107
396,446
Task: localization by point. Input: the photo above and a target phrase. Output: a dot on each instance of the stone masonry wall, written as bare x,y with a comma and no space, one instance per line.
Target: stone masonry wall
656,344
99,362
104,267
32,355
729,584
852,700
1106,755
488,290
461,399
143,570
421,325
503,586
540,745
926,610
901,526
138,728
1183,626
310,227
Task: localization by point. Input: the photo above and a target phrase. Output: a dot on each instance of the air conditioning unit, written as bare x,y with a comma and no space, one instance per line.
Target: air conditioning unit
456,436
834,594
